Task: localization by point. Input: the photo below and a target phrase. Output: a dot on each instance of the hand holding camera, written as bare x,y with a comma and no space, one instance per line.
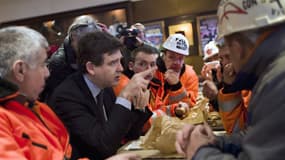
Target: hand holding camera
171,76
208,68
229,74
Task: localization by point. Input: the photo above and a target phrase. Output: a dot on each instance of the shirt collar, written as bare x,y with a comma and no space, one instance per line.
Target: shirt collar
95,90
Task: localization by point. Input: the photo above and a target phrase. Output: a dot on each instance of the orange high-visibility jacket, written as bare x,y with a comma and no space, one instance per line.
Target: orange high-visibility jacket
121,84
163,99
187,92
233,109
24,136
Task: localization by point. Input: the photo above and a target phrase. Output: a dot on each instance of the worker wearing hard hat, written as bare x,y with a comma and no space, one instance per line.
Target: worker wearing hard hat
254,31
178,81
211,74
211,52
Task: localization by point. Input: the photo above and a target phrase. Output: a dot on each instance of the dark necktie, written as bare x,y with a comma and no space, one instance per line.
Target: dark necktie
100,103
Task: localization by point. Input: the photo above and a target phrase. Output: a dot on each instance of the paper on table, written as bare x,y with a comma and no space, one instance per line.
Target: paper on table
219,133
134,145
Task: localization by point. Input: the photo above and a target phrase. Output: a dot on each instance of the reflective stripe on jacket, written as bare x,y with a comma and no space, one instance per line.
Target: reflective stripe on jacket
233,110
187,93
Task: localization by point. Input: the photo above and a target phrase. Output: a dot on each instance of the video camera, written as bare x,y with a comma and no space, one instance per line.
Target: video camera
130,37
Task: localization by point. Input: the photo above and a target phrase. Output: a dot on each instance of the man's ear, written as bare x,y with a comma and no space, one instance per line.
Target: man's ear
19,69
131,65
90,67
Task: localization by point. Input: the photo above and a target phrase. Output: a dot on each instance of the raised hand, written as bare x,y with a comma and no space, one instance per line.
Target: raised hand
229,74
210,89
142,99
206,71
171,76
137,84
182,138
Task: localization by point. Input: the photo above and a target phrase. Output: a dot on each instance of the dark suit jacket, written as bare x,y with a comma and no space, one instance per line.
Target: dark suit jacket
90,135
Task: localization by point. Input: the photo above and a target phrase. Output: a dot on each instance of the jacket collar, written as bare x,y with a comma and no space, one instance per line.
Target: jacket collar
8,90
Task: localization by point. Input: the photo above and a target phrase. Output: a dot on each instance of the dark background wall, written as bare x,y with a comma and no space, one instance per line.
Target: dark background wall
175,11
148,10
168,11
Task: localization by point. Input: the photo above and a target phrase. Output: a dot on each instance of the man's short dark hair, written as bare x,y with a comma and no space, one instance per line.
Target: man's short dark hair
144,48
93,46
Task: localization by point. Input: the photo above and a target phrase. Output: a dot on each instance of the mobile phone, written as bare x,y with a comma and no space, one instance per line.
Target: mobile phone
212,64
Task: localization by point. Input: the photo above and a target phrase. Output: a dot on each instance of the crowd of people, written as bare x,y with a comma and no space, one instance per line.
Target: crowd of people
86,100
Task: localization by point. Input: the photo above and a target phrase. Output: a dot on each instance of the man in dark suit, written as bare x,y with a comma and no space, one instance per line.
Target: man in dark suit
97,127
62,63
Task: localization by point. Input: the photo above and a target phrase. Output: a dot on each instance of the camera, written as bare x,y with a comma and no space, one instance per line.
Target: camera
129,37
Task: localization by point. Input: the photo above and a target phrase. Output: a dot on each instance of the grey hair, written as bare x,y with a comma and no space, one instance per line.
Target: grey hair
82,21
19,43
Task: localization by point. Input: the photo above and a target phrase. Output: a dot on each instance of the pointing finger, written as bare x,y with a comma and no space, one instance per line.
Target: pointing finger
147,72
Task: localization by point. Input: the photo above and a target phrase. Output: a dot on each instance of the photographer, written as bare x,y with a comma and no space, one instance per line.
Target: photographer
132,38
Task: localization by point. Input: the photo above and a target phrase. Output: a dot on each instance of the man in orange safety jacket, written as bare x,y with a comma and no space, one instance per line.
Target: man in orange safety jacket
28,129
232,105
178,81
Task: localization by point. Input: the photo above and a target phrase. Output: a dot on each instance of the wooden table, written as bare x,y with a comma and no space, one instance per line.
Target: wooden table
148,154
134,147
153,154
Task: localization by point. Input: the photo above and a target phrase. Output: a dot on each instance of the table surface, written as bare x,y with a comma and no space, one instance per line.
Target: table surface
152,154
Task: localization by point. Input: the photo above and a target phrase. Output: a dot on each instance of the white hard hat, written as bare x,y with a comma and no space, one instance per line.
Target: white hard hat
177,43
236,15
210,50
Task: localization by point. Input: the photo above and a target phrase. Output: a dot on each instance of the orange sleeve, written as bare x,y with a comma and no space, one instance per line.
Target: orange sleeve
246,97
233,110
121,84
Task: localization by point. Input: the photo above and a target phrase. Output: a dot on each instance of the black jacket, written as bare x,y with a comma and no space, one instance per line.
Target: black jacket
91,136
61,64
